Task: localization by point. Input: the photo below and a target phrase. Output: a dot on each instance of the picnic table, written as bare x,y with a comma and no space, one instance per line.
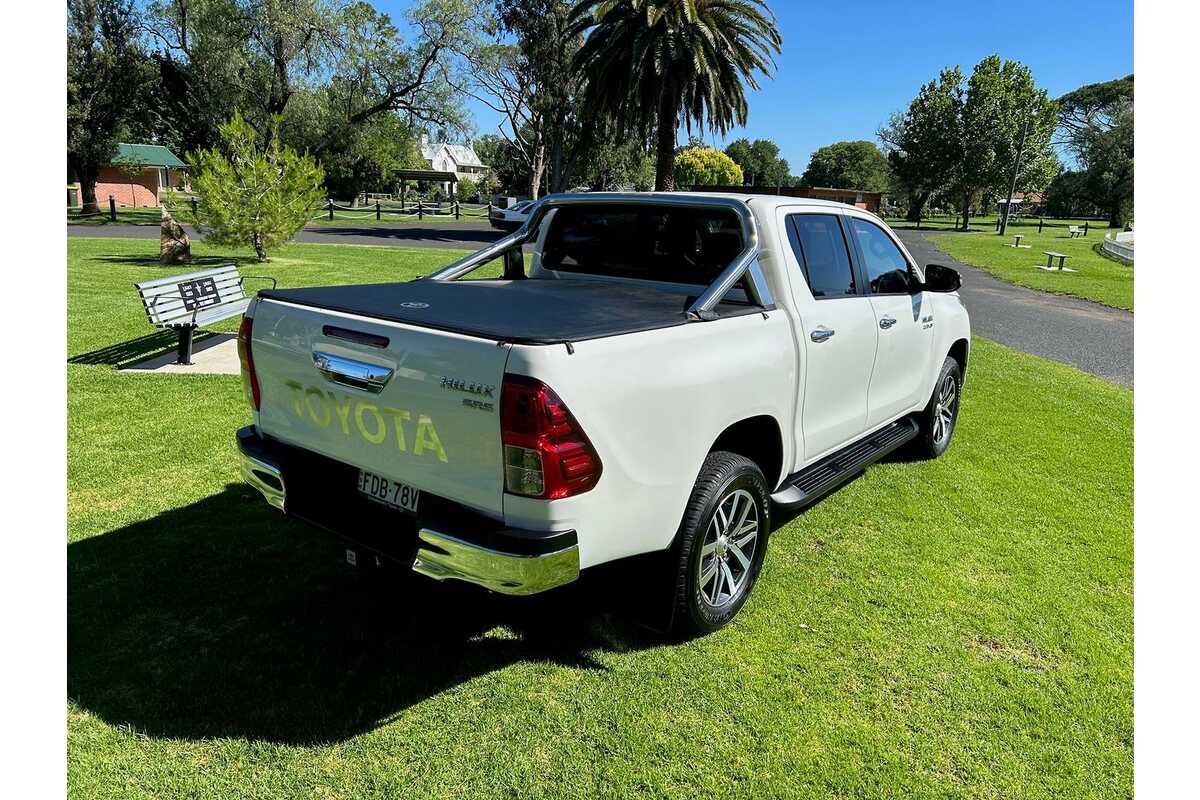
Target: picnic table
1017,237
1050,256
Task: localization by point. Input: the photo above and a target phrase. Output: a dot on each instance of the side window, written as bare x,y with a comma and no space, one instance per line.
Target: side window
887,271
820,247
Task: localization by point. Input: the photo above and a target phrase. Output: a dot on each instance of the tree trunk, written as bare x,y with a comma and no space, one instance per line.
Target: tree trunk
558,178
537,170
1114,216
966,209
916,205
664,165
257,240
87,189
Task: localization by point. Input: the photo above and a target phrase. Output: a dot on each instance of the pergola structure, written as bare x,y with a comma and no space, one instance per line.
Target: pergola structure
430,175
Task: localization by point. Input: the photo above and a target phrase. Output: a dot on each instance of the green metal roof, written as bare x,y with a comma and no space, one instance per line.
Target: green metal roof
152,155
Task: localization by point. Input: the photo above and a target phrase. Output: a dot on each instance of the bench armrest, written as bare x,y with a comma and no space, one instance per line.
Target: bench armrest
274,283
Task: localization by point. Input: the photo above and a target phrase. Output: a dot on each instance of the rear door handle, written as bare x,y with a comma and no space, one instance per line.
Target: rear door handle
349,372
886,323
821,334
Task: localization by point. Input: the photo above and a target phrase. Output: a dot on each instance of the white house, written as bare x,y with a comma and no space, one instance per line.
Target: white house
457,158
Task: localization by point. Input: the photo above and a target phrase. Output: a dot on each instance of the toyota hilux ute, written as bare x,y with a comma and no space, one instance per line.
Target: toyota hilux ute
649,373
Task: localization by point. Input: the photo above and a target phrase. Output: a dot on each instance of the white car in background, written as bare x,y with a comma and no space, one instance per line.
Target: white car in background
509,219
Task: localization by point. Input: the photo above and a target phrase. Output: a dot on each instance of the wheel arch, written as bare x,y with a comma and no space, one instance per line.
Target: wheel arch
959,351
758,438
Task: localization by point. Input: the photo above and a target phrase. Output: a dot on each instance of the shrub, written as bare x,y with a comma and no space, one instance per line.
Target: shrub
252,196
703,166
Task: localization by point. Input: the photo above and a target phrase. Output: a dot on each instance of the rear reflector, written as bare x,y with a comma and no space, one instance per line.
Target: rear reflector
546,453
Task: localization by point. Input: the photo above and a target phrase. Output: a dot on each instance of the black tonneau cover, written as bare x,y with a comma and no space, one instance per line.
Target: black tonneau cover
530,311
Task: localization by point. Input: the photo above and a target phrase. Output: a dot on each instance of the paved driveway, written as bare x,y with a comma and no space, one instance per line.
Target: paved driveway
1095,338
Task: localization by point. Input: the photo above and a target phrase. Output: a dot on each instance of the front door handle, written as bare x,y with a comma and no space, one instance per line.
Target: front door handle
349,372
886,323
821,334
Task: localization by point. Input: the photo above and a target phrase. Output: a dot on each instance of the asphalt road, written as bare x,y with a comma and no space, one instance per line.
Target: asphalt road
1092,337
455,235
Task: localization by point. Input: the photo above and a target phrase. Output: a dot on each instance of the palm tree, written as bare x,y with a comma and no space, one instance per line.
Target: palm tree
657,62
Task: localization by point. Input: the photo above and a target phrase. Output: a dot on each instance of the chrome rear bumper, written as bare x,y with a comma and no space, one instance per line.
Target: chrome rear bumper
449,546
265,477
442,556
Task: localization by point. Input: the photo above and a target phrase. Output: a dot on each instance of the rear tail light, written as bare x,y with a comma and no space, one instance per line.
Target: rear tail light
546,453
246,356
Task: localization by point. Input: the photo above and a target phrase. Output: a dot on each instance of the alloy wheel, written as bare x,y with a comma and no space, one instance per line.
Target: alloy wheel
943,412
728,549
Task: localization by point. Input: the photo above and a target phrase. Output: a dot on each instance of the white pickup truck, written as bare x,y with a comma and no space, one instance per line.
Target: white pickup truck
651,372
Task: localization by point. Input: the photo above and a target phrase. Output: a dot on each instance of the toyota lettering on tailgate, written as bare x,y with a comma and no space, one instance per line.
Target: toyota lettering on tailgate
366,420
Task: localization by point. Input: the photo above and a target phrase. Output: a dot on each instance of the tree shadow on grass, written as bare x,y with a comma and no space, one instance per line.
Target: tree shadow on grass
435,233
198,262
225,619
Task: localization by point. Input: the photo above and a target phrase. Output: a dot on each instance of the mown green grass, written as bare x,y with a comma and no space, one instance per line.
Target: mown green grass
1097,277
956,628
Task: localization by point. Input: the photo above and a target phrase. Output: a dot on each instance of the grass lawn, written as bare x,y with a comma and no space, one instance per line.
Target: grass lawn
1098,277
956,628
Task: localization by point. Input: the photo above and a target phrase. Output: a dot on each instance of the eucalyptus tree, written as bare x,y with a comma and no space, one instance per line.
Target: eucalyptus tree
657,63
257,56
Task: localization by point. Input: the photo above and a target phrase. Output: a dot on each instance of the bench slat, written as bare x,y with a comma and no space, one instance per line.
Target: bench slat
224,311
208,315
158,291
189,276
159,316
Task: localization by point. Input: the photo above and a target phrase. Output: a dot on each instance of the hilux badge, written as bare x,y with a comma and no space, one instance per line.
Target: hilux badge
470,387
414,304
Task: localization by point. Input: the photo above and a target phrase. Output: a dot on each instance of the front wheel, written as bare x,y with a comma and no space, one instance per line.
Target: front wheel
722,542
941,414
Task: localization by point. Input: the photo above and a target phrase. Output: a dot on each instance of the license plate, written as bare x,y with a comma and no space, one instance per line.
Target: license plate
391,493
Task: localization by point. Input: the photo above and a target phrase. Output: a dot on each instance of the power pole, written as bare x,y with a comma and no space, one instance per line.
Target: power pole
1012,189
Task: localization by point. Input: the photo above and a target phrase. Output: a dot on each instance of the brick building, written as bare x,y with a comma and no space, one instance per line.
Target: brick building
135,176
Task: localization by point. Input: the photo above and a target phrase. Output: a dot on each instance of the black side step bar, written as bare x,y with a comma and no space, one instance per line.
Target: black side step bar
814,482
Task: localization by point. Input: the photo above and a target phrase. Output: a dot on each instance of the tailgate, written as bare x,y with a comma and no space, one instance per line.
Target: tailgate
422,408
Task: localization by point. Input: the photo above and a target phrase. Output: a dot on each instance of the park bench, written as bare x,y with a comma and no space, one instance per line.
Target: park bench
1050,256
194,300
1017,237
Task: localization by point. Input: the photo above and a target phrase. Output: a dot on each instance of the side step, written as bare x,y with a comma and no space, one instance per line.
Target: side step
814,482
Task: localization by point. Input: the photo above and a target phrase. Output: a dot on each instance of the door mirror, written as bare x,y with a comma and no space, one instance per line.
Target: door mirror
941,279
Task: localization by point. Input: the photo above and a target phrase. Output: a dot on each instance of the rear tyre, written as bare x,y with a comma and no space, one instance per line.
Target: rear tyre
721,543
941,414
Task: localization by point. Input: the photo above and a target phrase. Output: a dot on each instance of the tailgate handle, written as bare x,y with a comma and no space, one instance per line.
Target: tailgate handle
348,372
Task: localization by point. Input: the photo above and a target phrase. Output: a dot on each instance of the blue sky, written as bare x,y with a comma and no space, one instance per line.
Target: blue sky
845,67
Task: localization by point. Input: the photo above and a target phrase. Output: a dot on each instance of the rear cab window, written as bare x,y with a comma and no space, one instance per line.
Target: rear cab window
821,250
670,244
